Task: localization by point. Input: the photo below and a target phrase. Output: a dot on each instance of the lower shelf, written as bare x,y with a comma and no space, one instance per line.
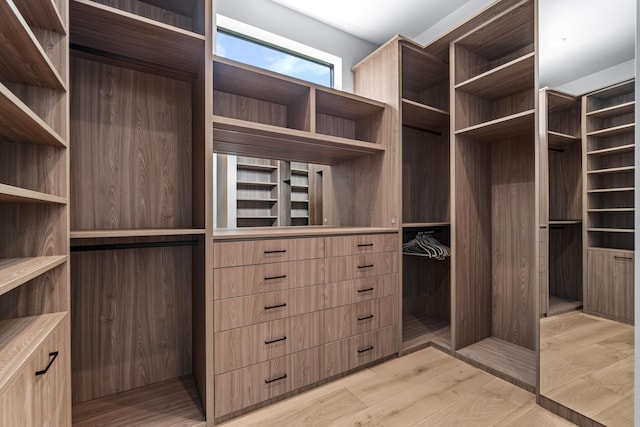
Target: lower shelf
174,402
418,332
560,305
503,359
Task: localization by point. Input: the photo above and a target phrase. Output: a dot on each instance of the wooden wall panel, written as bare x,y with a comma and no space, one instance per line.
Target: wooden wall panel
565,261
513,241
48,293
30,229
565,178
131,312
48,104
131,162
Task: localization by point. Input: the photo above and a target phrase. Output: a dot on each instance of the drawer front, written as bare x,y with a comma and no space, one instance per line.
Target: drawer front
230,254
349,320
42,400
233,282
358,290
240,347
249,386
341,356
360,266
244,311
361,244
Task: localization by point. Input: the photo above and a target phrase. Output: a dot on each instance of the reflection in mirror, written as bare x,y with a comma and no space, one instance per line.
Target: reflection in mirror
587,209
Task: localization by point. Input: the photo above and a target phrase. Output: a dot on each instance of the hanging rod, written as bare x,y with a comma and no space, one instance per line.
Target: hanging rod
433,132
139,245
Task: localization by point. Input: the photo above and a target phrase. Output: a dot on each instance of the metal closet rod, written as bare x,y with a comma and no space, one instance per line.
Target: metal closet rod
139,245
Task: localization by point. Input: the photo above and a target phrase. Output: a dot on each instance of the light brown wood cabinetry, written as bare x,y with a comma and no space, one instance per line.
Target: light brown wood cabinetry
354,291
609,285
228,254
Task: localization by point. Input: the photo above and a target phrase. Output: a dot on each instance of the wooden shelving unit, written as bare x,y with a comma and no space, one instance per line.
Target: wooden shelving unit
34,285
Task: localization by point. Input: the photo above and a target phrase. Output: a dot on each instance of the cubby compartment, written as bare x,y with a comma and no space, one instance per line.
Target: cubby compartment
611,101
565,181
347,116
614,144
611,239
611,179
425,79
565,267
476,114
610,218
610,199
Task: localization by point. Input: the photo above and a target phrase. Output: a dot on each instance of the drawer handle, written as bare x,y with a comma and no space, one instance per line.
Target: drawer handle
364,350
284,276
365,245
279,251
52,357
366,266
364,290
366,317
270,307
276,340
275,379
623,257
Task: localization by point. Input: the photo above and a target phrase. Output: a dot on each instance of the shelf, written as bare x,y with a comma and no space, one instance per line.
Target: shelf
265,217
422,116
418,332
557,138
299,171
254,184
249,166
611,230
616,110
174,402
616,130
611,190
503,128
560,305
611,170
300,201
19,339
605,249
232,136
257,200
299,217
565,222
17,271
299,187
508,361
612,210
613,150
149,232
309,231
425,224
41,14
123,34
10,193
512,77
28,63
19,124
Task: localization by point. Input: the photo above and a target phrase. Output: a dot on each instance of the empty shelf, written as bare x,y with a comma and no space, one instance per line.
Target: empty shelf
558,138
299,171
612,150
425,224
616,110
611,190
612,170
256,184
616,130
9,193
423,116
257,200
17,271
142,232
251,166
612,210
418,332
512,77
42,14
565,222
505,127
611,230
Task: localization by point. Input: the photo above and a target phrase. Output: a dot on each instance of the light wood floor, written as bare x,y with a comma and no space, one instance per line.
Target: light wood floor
425,388
586,364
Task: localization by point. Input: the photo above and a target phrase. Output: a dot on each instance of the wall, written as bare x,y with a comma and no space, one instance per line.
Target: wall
599,79
284,22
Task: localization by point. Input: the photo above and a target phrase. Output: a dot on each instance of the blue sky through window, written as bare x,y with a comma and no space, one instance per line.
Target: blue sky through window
269,58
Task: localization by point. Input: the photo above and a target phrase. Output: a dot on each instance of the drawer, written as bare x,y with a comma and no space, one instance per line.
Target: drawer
249,386
349,320
244,311
344,355
240,347
361,244
230,282
360,266
353,291
230,254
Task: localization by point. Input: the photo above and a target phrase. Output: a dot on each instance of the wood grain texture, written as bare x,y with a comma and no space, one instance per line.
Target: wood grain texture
424,78
349,320
609,284
42,14
131,166
565,182
228,254
357,245
565,262
358,290
222,235
360,266
9,193
426,288
33,229
157,12
132,312
17,271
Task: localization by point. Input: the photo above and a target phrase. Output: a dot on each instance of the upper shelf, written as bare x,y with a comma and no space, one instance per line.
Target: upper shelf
503,128
513,77
123,34
559,138
17,271
26,62
9,193
616,130
42,14
422,116
616,110
137,232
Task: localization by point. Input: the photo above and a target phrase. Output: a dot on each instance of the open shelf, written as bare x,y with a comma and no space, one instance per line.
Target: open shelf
508,361
9,193
254,184
512,77
613,150
41,14
616,110
17,271
25,126
258,200
560,305
565,222
611,170
31,332
612,190
611,230
233,136
28,63
503,128
612,210
616,130
423,116
425,224
125,35
425,79
148,232
558,138
418,332
174,402
257,167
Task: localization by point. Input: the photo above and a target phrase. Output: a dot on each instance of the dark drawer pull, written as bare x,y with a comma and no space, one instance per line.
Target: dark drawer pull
279,251
269,307
275,379
276,340
623,257
364,245
365,266
52,357
366,317
364,350
364,290
284,276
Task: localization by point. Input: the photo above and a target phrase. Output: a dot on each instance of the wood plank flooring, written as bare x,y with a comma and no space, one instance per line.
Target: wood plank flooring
586,364
425,388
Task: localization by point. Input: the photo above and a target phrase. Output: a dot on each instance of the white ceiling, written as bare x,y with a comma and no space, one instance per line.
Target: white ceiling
599,33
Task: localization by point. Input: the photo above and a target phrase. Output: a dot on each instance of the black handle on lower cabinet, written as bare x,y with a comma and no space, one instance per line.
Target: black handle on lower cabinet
279,251
366,317
275,379
270,307
276,340
284,276
52,357
364,290
365,266
364,350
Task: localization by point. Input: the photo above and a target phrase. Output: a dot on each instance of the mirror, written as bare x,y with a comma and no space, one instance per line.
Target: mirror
586,245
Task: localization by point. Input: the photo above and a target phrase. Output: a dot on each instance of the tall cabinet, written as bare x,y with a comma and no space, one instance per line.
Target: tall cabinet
609,144
35,351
